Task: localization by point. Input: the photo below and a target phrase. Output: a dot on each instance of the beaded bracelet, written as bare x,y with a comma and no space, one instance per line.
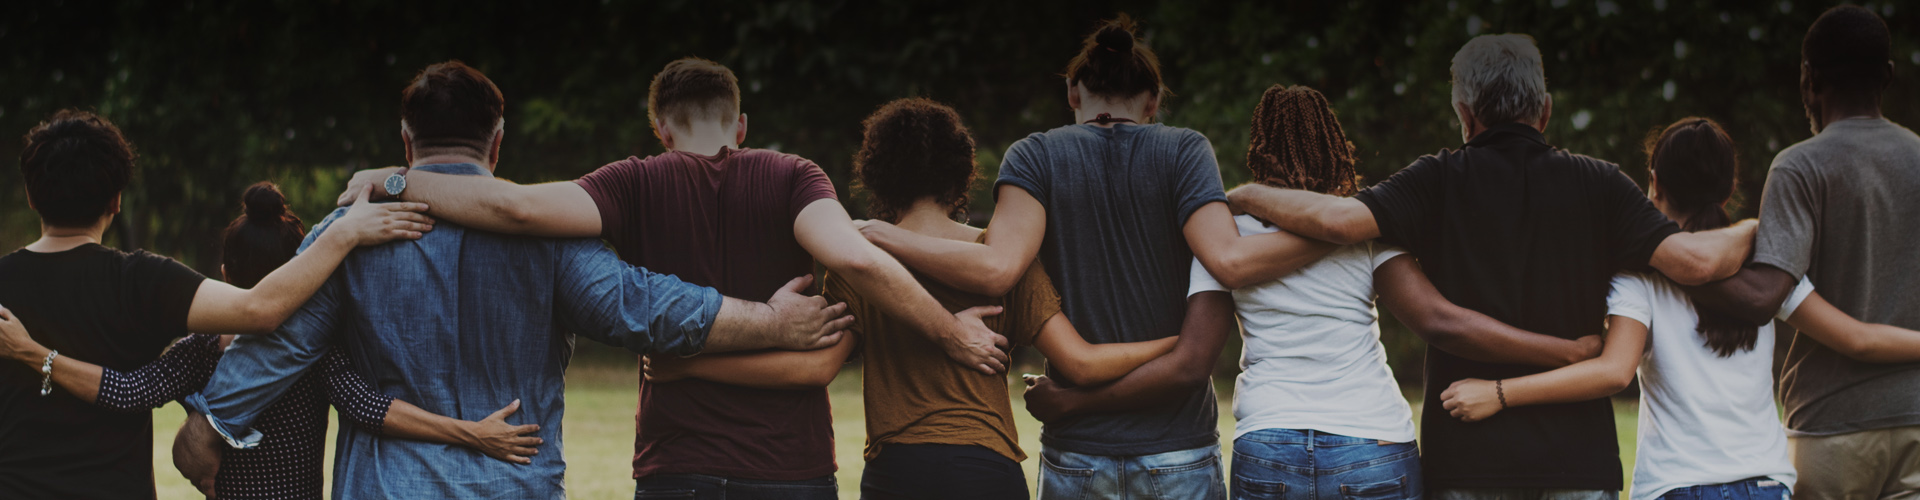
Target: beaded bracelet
46,373
1502,392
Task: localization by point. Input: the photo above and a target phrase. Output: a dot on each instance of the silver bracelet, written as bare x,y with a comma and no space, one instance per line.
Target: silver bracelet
46,373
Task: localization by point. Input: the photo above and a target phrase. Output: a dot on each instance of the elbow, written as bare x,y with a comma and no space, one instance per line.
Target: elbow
261,319
515,212
1697,271
998,280
1616,382
1343,234
1435,327
1074,373
1232,271
819,378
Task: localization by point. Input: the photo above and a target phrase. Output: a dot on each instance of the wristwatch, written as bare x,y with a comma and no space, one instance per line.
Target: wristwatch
397,183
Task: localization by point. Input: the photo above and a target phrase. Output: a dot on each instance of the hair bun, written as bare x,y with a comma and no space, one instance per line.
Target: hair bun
263,202
1115,38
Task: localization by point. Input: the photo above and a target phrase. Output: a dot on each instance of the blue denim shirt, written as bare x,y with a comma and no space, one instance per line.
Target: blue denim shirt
460,323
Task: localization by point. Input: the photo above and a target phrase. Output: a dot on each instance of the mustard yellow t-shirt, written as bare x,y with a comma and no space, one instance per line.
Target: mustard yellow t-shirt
915,395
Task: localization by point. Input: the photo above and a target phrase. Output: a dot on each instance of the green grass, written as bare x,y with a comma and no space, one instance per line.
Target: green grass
598,433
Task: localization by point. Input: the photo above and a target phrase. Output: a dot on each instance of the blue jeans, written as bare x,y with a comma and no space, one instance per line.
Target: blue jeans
1176,475
1758,488
703,487
1311,465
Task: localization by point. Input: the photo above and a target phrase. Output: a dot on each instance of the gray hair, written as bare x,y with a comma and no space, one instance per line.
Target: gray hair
1500,78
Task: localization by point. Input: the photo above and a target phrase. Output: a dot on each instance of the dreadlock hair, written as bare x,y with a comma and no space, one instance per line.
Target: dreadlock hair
1696,169
1296,142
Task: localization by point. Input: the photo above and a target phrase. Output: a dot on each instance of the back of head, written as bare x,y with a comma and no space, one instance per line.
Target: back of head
1501,79
911,149
1696,169
1297,142
74,165
1114,64
451,107
693,89
264,237
1849,47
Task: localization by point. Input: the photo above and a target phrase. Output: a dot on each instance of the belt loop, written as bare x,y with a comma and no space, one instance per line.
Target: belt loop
1310,440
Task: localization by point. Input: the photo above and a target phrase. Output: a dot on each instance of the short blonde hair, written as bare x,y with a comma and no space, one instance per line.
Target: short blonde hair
691,89
1500,78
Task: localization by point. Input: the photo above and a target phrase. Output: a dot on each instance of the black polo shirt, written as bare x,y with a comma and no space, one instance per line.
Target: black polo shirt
1531,235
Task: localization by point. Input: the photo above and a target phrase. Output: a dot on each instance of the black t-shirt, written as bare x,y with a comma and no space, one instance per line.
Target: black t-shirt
1530,235
99,305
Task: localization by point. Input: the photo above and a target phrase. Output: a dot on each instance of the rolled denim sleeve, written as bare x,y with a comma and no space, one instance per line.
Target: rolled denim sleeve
614,303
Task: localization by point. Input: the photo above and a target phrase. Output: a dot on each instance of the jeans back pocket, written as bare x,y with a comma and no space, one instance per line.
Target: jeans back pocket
1393,489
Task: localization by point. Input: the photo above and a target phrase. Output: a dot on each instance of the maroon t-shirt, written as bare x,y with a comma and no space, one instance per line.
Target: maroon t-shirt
726,222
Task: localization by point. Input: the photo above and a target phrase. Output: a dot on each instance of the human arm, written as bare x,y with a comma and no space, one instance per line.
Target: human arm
991,268
554,209
825,230
1164,380
1700,257
220,308
258,369
605,299
1239,261
1473,400
1752,295
1406,292
1862,341
1082,364
766,369
1334,219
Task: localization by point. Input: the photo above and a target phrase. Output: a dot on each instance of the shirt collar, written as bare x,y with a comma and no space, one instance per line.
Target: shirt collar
455,169
1508,132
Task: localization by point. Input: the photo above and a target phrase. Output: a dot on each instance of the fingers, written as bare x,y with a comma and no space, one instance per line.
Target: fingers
981,311
1450,404
1450,393
503,413
365,193
830,340
836,309
526,440
409,216
1000,341
993,365
1031,379
797,285
838,325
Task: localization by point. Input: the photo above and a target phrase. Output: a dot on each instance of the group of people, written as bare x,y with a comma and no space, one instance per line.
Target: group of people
437,308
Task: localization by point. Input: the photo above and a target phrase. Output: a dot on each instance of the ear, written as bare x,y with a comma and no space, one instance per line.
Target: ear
1469,126
665,134
740,134
113,207
1887,74
1546,112
1153,106
223,273
406,141
1073,94
1653,187
493,154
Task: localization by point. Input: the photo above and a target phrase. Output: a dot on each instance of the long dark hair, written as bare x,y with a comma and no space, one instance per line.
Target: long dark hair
1296,142
1696,170
264,237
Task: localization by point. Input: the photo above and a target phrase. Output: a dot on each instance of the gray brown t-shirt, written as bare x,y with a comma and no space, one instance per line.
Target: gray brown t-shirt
1843,209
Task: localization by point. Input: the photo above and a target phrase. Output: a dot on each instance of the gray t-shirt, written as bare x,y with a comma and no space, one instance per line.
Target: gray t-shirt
1116,200
1843,209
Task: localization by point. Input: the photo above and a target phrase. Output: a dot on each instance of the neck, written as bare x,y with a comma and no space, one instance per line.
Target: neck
927,216
60,239
1135,109
450,158
704,138
1835,113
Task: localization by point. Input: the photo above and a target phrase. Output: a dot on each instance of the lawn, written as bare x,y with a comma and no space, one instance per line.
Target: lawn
599,433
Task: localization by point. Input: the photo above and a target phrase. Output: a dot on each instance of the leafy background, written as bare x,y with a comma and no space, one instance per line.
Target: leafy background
219,94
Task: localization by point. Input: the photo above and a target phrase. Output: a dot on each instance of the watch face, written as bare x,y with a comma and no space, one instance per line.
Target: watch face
395,184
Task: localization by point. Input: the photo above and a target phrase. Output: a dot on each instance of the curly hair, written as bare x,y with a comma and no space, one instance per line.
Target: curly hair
74,164
1296,142
911,149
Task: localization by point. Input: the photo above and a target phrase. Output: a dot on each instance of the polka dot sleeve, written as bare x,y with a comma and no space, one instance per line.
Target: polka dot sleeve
351,394
182,370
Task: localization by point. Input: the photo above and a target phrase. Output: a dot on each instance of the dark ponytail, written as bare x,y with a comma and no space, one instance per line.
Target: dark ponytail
1112,63
1696,170
264,237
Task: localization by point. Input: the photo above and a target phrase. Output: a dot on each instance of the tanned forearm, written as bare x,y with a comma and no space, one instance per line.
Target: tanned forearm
79,378
1752,295
219,308
1342,221
1706,256
1237,261
1168,379
992,269
1085,364
767,369
1408,295
553,210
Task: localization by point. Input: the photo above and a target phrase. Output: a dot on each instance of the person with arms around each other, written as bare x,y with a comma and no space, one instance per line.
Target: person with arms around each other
288,462
1528,234
464,322
1708,426
742,220
1319,414
1839,209
120,309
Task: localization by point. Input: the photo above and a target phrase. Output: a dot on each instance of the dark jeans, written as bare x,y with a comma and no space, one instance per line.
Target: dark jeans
1311,465
941,471
1758,488
703,487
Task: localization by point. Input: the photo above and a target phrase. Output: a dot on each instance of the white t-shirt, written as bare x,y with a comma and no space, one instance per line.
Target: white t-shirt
1312,356
1704,419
